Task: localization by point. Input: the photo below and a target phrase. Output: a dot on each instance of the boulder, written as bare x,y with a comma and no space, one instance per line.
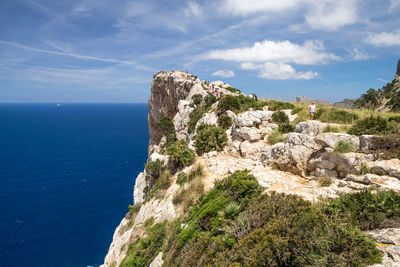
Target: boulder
299,139
140,184
311,128
158,261
366,142
248,119
251,134
389,243
331,139
209,118
181,119
391,167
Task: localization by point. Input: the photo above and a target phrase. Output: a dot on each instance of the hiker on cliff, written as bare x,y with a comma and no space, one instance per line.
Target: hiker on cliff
312,109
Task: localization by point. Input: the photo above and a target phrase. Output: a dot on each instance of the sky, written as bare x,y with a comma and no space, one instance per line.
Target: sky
108,51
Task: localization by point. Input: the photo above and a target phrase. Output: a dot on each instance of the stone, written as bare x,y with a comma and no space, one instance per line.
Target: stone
388,241
140,185
181,119
158,261
311,128
331,139
392,166
209,118
365,142
251,134
248,119
155,156
288,112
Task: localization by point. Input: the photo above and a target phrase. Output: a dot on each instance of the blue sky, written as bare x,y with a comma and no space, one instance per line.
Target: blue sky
108,51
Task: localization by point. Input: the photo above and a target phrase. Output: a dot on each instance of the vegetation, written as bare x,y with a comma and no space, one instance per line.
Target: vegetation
197,99
233,90
363,169
275,137
336,129
224,121
210,138
180,154
336,115
296,109
286,128
343,147
280,117
371,125
193,192
181,179
238,104
367,210
277,105
373,99
202,107
196,172
166,128
325,181
157,178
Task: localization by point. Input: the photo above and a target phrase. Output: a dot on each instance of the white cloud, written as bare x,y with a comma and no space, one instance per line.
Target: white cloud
224,73
383,38
358,54
394,4
245,8
193,9
331,15
278,71
311,52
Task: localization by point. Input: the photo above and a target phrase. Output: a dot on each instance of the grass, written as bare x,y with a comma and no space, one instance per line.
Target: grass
275,137
325,181
363,169
336,129
343,147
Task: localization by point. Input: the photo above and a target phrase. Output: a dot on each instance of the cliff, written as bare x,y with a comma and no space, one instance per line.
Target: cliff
213,161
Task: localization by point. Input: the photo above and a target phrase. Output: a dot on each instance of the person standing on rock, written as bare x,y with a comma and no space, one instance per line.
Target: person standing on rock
312,109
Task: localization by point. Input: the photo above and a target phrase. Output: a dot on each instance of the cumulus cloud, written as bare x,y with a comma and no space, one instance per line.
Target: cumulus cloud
311,52
384,38
278,71
224,73
331,15
244,8
358,54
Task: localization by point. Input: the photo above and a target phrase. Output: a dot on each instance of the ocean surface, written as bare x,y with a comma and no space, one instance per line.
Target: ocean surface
66,179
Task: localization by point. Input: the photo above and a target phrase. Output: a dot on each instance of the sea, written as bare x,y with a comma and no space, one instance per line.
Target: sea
67,173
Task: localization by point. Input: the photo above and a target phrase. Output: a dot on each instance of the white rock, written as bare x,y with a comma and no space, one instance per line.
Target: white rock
365,142
389,244
158,261
331,139
312,128
140,184
251,134
181,119
155,156
392,167
209,118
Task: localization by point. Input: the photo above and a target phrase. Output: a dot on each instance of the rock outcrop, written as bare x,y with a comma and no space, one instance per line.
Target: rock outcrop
293,166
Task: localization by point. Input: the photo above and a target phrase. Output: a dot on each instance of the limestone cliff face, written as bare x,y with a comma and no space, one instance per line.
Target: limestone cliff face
304,157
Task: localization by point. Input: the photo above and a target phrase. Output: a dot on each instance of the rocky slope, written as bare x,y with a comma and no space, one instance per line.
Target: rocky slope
294,166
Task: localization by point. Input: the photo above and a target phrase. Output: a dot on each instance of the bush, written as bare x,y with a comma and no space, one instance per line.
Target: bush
194,117
325,181
157,178
144,250
296,110
238,104
275,137
210,138
195,172
367,210
335,115
277,105
180,154
280,117
343,147
370,125
167,128
233,90
197,99
181,179
336,129
224,121
286,128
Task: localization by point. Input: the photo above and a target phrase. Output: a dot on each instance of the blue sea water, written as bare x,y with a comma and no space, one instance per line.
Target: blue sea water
66,179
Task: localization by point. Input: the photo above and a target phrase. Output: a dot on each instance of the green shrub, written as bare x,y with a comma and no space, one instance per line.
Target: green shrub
367,210
363,169
335,115
233,90
167,128
238,104
181,179
210,138
157,178
144,250
343,147
336,129
149,222
277,105
275,137
197,99
224,121
286,128
180,154
325,181
370,125
296,110
280,117
209,100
